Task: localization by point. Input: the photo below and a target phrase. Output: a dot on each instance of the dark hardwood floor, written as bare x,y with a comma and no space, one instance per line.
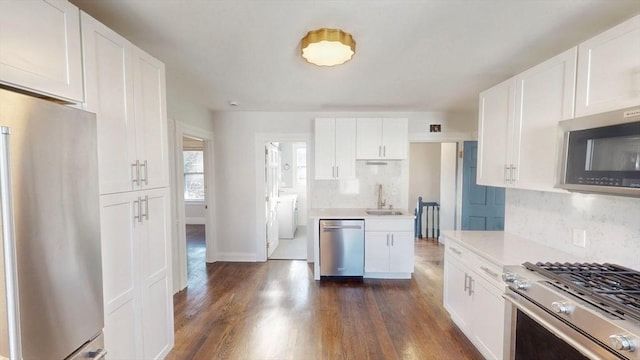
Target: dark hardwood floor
275,310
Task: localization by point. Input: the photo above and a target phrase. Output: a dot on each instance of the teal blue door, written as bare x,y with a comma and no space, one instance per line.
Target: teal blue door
482,206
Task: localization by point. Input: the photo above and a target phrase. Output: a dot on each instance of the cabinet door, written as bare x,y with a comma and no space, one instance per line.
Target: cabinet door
155,260
369,138
545,95
151,120
121,286
456,298
109,94
401,252
376,251
609,70
489,319
395,138
494,140
345,152
325,147
40,47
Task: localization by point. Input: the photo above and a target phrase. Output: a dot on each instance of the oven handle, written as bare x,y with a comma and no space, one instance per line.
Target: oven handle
526,306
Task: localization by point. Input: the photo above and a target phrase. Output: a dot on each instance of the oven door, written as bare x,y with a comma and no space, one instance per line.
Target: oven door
538,334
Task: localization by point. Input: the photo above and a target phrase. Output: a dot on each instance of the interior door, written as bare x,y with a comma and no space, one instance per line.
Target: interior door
482,206
272,189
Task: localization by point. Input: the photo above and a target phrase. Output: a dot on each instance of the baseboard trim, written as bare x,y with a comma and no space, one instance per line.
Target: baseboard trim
236,257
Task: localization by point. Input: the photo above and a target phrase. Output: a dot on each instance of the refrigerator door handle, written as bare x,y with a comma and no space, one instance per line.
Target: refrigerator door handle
9,247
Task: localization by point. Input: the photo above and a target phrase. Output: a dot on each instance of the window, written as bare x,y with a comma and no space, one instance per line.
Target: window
301,166
193,175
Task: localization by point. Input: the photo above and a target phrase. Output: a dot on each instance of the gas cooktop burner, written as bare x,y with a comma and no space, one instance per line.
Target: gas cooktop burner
611,285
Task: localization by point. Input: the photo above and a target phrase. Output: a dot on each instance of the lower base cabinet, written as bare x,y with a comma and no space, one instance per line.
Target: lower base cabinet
474,300
388,248
136,254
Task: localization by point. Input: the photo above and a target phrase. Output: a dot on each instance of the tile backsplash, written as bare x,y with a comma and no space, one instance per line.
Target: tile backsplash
612,223
362,192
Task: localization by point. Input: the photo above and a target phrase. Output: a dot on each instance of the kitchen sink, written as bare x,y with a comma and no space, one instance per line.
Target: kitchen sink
383,212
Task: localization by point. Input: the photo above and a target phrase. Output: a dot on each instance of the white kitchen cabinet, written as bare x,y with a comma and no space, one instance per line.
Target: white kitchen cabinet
609,70
40,48
382,138
473,298
389,248
125,87
496,116
335,148
136,258
518,121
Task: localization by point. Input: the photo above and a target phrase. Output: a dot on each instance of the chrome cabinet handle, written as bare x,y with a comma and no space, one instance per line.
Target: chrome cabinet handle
486,269
456,250
387,239
146,173
466,277
146,208
136,205
380,150
384,151
471,281
9,248
136,172
98,354
512,170
506,174
392,240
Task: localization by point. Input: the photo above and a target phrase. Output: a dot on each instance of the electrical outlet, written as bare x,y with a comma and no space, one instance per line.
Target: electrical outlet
579,237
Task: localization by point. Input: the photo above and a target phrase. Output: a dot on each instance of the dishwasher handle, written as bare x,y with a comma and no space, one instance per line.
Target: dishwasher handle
340,227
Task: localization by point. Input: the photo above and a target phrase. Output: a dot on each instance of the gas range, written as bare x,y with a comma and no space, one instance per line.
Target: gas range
599,301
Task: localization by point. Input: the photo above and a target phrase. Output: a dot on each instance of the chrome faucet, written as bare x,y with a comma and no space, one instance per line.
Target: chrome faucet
381,203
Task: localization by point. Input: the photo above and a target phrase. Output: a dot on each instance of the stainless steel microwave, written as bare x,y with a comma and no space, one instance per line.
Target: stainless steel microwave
601,153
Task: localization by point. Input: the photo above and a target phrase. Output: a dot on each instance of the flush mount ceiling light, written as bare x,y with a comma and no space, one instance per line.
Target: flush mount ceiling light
328,47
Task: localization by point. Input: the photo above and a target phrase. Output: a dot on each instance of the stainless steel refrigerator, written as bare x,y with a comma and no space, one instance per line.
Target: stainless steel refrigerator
51,302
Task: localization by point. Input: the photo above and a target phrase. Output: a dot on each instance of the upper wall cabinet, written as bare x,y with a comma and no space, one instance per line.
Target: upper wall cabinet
335,148
382,138
518,121
125,87
609,70
40,48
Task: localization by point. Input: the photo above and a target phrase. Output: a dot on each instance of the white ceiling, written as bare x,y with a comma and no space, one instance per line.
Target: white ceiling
411,55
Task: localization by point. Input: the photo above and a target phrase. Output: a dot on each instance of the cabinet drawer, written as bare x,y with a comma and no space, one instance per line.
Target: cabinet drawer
389,225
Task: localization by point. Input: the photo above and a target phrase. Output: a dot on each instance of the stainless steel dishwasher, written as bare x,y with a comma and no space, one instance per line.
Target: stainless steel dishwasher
342,248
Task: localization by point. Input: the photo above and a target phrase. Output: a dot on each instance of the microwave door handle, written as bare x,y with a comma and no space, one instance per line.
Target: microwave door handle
9,248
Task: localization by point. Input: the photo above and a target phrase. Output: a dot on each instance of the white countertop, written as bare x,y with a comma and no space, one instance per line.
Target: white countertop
503,248
354,214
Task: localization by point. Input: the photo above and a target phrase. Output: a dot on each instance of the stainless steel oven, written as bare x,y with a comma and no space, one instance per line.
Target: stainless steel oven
601,153
573,311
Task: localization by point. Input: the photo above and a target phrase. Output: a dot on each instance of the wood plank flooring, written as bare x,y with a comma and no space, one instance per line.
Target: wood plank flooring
275,310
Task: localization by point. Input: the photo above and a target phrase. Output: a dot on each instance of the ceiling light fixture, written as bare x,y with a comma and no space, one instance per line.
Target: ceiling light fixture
328,47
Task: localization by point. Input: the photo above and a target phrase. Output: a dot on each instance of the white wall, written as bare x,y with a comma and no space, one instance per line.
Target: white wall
612,223
235,172
424,172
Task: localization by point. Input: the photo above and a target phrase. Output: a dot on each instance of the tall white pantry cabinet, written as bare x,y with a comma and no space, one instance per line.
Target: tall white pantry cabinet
125,87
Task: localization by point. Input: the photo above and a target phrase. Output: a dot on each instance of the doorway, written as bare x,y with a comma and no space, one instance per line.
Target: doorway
434,174
194,206
285,200
193,230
